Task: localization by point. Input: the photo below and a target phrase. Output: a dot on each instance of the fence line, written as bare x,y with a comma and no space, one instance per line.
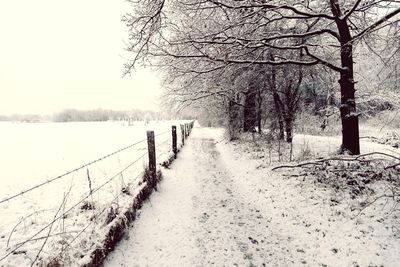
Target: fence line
75,205
84,229
104,209
57,216
76,169
165,132
72,171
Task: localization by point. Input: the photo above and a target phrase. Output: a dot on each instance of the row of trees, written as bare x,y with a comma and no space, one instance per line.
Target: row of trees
254,56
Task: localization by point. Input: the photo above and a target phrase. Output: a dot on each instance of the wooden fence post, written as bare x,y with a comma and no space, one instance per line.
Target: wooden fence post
183,134
174,147
152,158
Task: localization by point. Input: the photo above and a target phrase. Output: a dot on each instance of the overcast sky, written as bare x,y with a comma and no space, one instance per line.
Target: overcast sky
57,54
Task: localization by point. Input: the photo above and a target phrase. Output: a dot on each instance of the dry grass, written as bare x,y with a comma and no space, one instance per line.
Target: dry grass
119,223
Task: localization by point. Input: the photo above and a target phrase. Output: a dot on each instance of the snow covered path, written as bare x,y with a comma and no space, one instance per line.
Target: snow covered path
217,206
197,218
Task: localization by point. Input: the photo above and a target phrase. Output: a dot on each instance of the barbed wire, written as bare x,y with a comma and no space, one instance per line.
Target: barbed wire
72,207
100,213
162,143
105,208
57,217
79,233
69,172
162,133
169,152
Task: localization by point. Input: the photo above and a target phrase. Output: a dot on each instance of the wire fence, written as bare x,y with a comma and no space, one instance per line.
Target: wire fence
71,212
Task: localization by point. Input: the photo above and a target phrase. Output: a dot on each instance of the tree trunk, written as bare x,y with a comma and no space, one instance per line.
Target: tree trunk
233,120
259,111
279,115
348,114
277,102
250,110
289,129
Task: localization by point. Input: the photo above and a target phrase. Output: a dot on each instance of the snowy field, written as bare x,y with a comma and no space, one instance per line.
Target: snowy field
70,211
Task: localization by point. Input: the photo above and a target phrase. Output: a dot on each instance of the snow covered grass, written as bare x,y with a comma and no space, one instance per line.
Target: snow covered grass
63,220
381,128
327,216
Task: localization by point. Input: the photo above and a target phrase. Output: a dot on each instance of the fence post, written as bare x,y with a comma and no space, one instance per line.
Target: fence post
152,158
174,148
183,134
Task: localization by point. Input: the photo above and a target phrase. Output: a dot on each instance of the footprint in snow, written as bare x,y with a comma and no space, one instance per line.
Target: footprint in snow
204,217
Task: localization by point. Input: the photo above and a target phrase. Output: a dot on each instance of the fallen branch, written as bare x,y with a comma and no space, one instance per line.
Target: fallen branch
392,166
378,153
298,165
370,137
340,158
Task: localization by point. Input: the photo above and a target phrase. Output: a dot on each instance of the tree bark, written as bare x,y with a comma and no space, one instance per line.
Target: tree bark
250,109
348,114
233,120
277,102
289,129
259,111
279,115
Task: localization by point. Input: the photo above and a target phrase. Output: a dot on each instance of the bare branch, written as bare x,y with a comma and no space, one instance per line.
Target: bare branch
377,23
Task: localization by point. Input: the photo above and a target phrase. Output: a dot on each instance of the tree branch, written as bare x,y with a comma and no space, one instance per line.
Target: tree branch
269,6
377,23
352,10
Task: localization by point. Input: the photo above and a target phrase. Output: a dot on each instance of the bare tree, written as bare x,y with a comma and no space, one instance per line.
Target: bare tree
225,32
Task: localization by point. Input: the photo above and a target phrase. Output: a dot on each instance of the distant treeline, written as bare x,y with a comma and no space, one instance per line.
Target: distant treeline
24,118
74,115
69,115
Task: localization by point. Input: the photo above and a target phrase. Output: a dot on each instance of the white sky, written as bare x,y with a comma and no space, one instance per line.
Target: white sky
57,54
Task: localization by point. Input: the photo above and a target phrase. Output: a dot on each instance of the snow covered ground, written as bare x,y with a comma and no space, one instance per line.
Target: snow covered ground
62,216
221,205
